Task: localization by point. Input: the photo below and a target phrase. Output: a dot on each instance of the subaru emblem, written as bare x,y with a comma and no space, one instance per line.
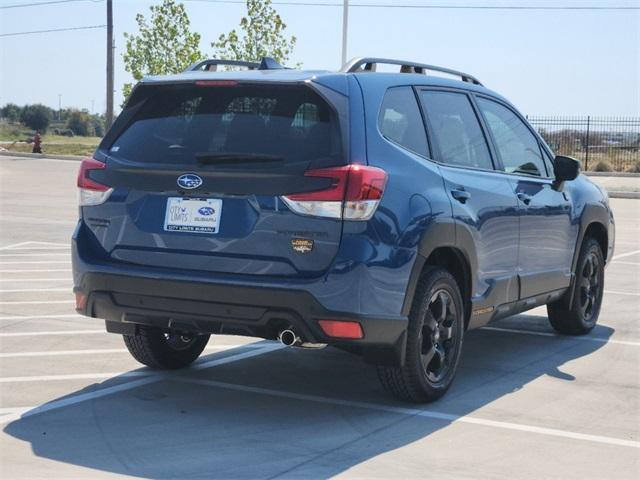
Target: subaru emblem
189,181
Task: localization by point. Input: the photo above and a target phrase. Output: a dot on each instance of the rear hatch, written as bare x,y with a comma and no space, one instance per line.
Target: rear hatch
198,171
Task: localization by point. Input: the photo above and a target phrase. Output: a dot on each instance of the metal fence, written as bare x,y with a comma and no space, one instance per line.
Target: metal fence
600,143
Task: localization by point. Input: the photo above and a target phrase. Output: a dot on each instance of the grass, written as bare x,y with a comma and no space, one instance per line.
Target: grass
52,144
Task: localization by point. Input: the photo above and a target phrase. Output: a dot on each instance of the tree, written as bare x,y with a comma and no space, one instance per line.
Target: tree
36,117
163,45
11,112
80,123
263,36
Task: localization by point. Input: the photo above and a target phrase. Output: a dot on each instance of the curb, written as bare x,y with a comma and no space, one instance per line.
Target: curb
611,174
633,195
41,156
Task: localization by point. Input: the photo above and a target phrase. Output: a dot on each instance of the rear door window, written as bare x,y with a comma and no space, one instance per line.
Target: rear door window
518,148
180,124
400,120
456,130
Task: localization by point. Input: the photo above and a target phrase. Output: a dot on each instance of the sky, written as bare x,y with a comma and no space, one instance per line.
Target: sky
547,62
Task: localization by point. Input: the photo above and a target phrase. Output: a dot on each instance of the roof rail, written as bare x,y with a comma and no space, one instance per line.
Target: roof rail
368,64
267,63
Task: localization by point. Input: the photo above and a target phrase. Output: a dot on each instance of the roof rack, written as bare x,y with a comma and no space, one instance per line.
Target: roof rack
211,65
368,64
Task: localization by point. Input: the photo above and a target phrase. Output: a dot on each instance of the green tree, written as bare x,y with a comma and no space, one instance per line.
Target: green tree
98,125
11,112
80,123
36,117
163,45
262,36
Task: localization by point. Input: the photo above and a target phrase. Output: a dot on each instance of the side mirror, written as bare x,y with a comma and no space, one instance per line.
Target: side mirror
565,169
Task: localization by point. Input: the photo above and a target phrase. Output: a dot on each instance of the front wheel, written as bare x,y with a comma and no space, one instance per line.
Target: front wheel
434,341
581,316
161,349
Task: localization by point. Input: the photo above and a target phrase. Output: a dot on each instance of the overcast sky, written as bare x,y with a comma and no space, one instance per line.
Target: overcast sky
556,62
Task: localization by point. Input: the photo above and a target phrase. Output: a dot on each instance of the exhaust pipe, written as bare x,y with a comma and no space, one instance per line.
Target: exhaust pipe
289,338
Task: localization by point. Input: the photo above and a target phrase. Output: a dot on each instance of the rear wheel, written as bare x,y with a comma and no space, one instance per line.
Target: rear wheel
162,349
581,316
434,341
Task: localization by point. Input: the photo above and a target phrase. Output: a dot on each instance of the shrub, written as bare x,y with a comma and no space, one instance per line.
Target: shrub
11,112
98,125
80,123
36,117
602,166
634,168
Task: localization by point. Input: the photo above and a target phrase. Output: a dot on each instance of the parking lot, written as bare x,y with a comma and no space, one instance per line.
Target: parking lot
526,404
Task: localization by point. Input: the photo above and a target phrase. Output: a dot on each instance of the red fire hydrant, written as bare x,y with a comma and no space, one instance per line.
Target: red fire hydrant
37,143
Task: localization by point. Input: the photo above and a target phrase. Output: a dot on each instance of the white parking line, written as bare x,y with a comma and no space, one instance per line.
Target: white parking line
622,255
104,351
51,247
24,290
56,332
35,246
43,302
75,376
3,255
38,317
35,262
152,377
550,334
39,270
416,412
66,279
614,292
618,262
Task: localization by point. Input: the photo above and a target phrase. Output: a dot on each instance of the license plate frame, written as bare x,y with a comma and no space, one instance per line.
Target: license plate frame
193,215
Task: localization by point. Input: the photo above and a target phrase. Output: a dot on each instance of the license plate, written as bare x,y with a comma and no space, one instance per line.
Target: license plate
196,215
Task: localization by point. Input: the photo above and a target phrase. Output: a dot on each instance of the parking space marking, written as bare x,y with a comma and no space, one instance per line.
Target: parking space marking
550,334
75,376
618,262
5,255
36,246
103,351
33,290
415,412
33,262
38,317
39,270
66,279
37,302
622,255
56,332
151,378
615,292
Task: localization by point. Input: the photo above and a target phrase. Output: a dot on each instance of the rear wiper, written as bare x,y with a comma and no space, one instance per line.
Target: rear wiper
215,158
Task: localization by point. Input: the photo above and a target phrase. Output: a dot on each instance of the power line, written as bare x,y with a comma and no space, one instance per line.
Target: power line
52,30
437,6
53,2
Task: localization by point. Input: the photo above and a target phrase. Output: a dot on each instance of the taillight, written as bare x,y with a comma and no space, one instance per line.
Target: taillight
354,194
91,192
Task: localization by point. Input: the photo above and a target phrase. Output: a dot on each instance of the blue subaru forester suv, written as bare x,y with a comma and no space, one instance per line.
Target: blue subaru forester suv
381,213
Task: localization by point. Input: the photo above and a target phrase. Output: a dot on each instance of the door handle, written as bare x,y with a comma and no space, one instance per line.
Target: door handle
524,198
461,195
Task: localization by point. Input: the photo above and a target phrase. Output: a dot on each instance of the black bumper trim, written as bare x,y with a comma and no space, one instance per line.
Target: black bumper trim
230,309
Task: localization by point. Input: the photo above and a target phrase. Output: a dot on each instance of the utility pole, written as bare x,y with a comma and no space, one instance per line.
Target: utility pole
59,106
345,24
109,115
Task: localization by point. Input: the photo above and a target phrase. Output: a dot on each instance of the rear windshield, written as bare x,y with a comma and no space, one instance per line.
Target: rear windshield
190,124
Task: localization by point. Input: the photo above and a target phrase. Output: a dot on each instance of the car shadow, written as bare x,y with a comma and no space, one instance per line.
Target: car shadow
294,413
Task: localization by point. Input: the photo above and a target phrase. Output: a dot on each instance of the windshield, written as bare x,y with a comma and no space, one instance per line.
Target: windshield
191,124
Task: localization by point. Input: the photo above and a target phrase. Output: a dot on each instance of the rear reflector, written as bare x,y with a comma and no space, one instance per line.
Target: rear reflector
91,192
81,301
354,194
341,329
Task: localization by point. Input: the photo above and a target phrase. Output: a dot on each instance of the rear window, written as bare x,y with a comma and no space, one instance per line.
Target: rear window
182,124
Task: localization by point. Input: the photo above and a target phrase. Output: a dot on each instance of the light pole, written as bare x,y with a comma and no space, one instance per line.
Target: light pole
59,106
345,24
109,114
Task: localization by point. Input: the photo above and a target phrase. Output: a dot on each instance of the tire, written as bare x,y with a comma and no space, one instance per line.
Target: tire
164,350
431,361
582,315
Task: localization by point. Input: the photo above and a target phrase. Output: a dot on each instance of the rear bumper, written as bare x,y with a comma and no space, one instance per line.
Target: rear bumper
124,300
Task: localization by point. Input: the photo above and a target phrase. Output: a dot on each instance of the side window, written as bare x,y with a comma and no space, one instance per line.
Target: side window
400,120
456,130
518,148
